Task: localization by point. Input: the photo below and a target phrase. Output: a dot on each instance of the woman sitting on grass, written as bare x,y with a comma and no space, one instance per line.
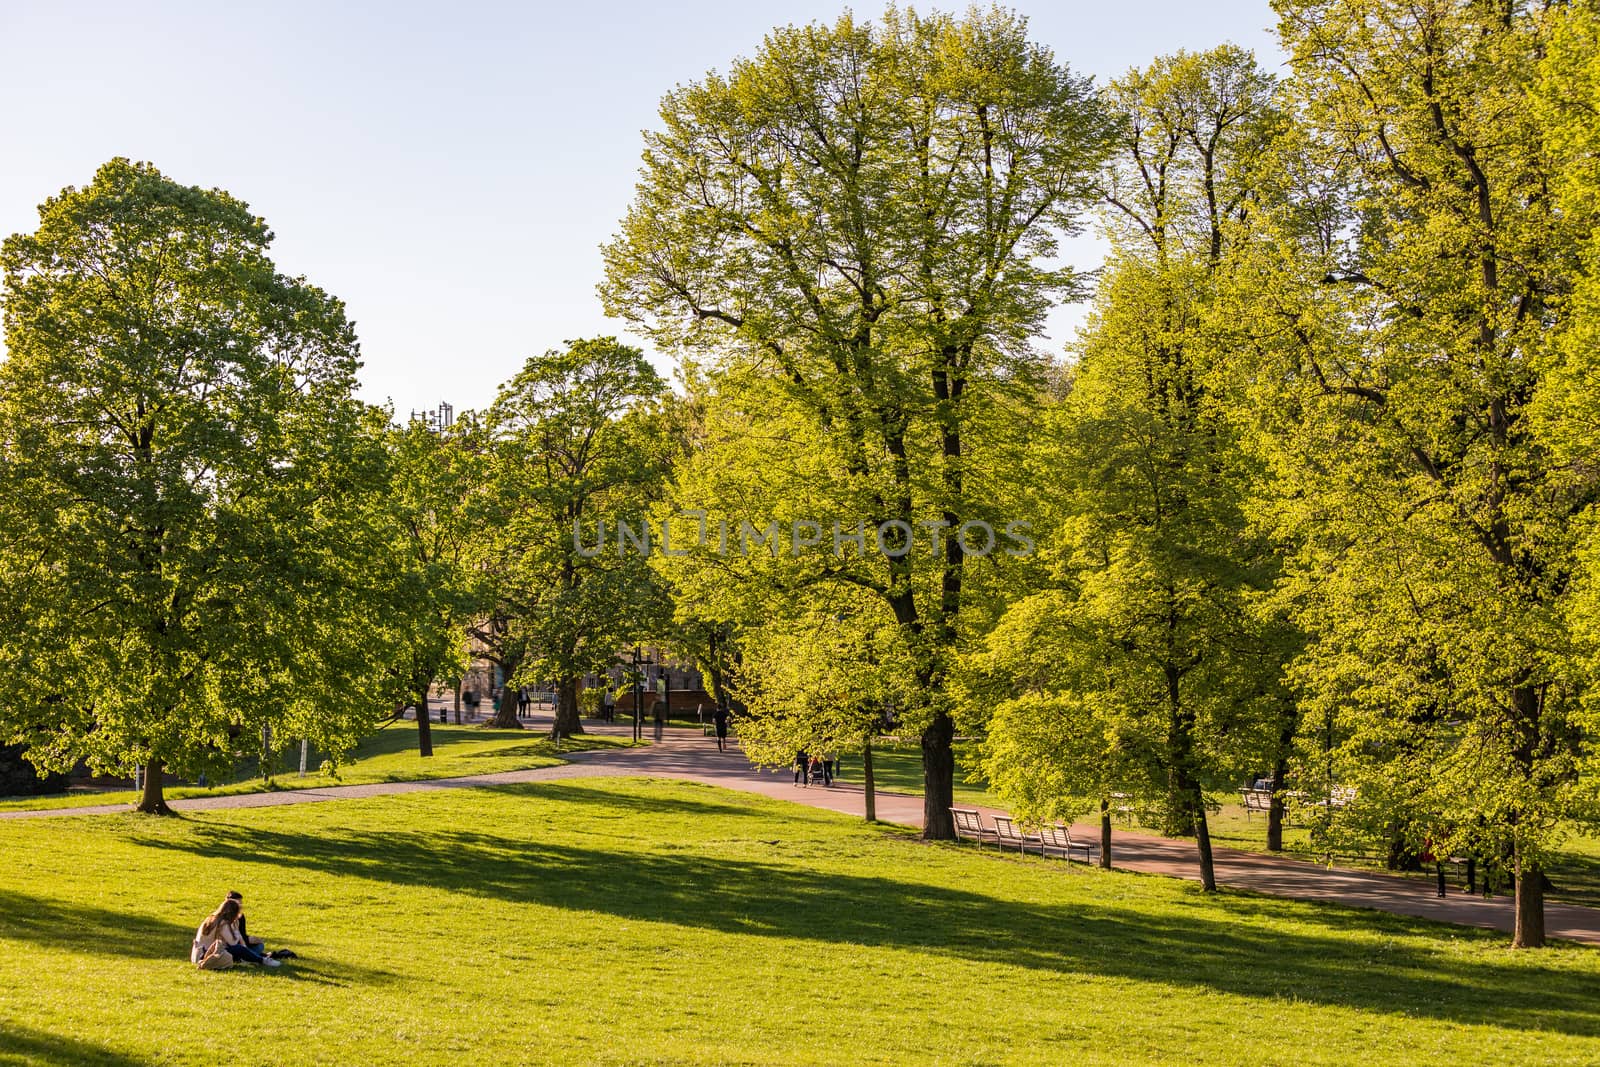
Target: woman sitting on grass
221,928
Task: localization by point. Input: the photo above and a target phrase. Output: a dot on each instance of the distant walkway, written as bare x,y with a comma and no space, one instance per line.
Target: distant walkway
686,756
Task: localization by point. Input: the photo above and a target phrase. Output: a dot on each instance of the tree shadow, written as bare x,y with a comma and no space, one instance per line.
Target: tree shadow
1216,944
531,748
100,931
610,804
19,1044
82,928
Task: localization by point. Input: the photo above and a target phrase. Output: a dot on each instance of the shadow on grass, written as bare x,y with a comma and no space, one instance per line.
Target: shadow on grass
611,805
531,748
20,1045
1577,879
1210,944
103,932
88,929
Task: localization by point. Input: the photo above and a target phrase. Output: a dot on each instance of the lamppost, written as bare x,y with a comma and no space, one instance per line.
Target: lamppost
638,691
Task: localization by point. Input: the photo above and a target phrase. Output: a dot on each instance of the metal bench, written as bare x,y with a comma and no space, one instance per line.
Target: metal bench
1256,800
1059,837
1006,833
969,825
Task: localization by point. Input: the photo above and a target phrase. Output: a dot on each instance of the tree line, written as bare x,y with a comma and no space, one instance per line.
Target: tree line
1313,491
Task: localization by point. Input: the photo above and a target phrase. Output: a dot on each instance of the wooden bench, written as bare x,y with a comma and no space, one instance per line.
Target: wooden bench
1059,837
1006,833
969,825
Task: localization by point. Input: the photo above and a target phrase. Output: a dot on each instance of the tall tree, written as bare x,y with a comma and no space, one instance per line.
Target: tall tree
582,446
432,511
177,414
868,215
1161,655
1437,517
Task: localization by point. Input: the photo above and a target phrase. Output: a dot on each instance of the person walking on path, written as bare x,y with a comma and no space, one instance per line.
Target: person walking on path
719,718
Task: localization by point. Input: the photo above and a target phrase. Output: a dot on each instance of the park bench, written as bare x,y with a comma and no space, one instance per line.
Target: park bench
1006,833
1059,837
1256,800
969,825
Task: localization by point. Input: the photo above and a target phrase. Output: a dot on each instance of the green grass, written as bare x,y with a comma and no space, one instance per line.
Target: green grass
897,768
625,921
389,755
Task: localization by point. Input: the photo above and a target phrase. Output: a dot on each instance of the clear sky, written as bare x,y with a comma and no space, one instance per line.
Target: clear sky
448,170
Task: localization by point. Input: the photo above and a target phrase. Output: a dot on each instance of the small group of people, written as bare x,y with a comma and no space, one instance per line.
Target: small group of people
223,940
809,768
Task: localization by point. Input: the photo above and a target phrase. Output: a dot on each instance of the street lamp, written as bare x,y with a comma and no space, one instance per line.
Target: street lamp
638,691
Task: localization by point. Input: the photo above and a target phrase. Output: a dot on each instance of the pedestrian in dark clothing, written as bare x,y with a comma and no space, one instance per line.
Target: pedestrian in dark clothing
720,719
802,768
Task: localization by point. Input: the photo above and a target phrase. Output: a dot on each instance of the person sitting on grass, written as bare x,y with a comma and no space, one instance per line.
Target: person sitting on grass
255,942
220,934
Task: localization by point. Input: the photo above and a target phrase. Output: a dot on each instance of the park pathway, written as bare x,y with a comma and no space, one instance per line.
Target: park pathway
686,756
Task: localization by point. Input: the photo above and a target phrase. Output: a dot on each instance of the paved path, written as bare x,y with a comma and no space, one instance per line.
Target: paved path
686,756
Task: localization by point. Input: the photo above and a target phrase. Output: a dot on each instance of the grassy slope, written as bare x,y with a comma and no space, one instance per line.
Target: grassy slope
610,921
390,755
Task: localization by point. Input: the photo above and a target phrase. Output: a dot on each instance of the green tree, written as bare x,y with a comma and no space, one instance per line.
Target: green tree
1156,649
867,215
820,682
581,446
432,512
1436,515
177,427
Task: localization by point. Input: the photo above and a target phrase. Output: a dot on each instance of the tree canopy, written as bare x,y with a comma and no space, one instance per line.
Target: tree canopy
176,424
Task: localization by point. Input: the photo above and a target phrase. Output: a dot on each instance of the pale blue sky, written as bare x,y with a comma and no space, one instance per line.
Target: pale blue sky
450,170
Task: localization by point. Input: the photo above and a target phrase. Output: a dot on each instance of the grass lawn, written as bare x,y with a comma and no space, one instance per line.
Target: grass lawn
389,755
629,921
897,768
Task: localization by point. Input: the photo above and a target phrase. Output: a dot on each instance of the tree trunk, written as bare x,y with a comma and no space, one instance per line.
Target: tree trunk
1530,880
1529,932
154,801
867,781
1275,806
505,711
1178,817
938,779
568,723
424,727
1202,838
458,701
1105,832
